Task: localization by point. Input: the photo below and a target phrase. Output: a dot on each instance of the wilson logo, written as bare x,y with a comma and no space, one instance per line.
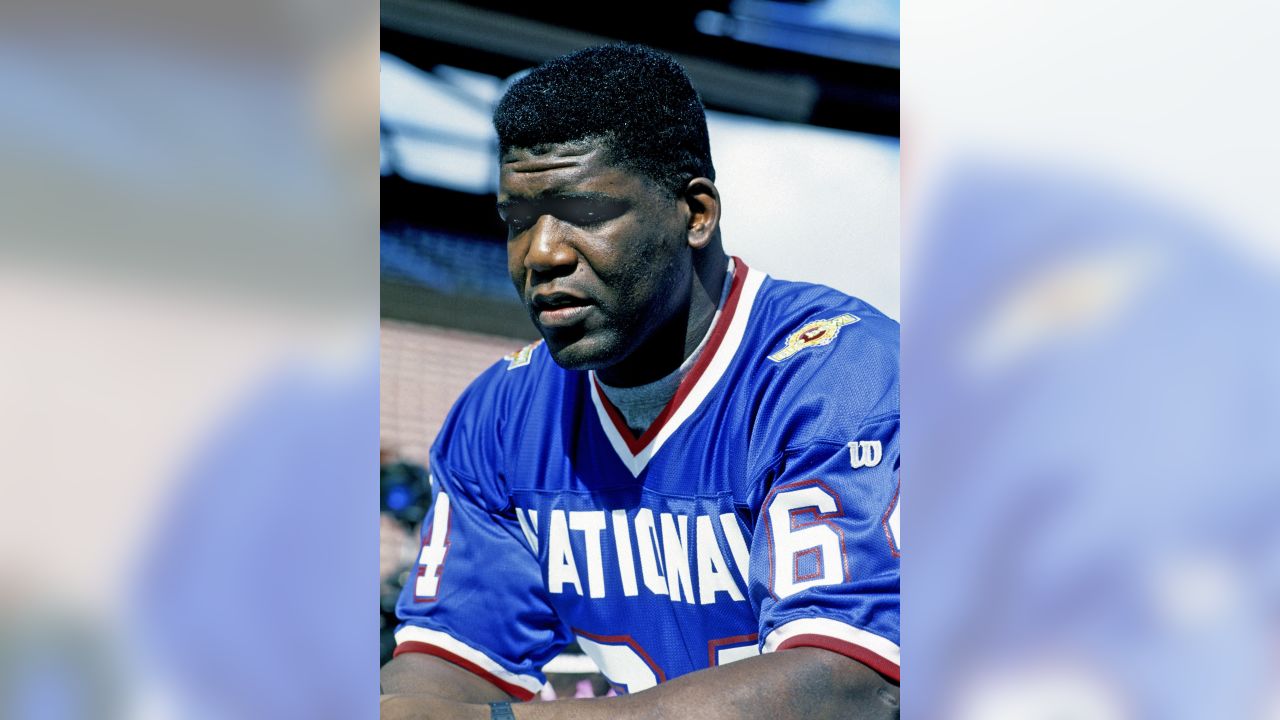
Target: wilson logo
864,453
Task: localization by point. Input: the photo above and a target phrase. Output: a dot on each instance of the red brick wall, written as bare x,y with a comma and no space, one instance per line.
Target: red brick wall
424,369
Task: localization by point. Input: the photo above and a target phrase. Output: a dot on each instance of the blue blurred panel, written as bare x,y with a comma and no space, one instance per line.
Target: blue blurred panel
854,31
257,597
446,263
1091,382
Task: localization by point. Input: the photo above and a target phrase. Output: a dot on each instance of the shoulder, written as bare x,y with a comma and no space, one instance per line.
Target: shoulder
825,363
510,379
805,331
469,447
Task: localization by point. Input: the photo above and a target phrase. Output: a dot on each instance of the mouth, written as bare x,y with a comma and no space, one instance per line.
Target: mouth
557,310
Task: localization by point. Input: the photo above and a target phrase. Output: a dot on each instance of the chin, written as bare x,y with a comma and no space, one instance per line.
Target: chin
582,354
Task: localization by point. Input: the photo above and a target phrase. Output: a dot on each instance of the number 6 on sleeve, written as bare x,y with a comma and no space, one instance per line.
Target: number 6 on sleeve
806,549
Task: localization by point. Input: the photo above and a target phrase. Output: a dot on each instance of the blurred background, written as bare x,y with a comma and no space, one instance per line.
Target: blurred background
1090,361
802,101
188,359
189,336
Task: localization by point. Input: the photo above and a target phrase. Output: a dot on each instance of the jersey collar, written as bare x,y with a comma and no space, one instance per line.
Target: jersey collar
722,345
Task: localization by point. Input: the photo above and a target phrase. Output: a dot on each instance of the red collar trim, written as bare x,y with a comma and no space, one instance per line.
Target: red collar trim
636,444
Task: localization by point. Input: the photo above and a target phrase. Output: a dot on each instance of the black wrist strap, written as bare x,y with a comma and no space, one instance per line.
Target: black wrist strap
501,711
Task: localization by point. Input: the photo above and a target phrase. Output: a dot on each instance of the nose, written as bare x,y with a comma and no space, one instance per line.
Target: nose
549,253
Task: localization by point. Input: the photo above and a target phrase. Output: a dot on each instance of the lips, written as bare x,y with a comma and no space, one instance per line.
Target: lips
560,309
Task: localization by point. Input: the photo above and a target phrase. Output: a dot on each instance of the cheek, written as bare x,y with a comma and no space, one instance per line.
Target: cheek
515,266
651,286
639,263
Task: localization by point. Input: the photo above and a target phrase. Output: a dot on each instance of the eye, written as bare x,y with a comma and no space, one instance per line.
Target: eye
517,222
586,213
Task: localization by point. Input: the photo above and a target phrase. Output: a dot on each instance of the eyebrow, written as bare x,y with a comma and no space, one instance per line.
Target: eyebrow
555,196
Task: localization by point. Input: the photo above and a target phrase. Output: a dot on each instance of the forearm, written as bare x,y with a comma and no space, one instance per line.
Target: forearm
804,683
420,674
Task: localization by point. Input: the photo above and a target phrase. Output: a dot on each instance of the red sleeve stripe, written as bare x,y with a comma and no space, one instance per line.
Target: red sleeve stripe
421,647
885,667
875,651
414,638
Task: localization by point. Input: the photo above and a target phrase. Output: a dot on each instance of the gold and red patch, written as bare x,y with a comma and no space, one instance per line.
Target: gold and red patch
521,357
813,334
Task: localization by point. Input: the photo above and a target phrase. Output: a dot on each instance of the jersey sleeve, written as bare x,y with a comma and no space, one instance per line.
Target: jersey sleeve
825,556
476,597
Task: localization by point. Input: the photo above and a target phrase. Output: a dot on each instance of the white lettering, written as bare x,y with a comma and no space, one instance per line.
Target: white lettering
626,564
561,568
621,664
591,522
864,453
713,572
895,524
737,545
530,530
647,540
675,549
734,653
666,550
433,553
820,539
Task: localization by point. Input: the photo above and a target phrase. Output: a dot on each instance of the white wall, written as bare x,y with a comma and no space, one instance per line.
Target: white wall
806,203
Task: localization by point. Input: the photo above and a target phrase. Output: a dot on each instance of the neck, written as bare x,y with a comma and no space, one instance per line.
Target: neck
708,286
676,340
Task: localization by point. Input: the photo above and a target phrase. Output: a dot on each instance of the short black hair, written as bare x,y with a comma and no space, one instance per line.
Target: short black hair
636,101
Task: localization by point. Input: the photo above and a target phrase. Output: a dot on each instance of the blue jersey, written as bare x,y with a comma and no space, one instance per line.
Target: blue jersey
759,512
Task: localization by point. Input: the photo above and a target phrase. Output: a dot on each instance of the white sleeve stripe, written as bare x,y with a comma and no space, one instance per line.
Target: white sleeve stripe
883,647
444,641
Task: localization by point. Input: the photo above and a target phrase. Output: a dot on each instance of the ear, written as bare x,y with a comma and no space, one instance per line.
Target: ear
703,200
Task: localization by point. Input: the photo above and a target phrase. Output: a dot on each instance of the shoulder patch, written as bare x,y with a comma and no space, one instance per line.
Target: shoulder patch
813,334
521,357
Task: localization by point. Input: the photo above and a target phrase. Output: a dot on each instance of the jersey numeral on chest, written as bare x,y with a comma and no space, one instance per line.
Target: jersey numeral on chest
631,669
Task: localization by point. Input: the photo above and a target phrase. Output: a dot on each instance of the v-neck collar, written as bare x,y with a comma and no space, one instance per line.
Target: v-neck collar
722,345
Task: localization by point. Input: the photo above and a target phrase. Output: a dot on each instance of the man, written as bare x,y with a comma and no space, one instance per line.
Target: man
698,467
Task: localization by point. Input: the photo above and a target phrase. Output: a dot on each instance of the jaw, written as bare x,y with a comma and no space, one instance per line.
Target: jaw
615,353
659,354
571,351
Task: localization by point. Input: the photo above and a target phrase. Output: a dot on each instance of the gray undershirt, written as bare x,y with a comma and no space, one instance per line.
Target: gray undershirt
641,405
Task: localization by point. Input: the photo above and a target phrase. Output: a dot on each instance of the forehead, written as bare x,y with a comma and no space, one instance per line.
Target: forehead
563,168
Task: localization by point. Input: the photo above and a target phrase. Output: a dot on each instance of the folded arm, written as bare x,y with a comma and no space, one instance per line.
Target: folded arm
808,683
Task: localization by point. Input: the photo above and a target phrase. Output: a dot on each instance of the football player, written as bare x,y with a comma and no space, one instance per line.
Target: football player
694,475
